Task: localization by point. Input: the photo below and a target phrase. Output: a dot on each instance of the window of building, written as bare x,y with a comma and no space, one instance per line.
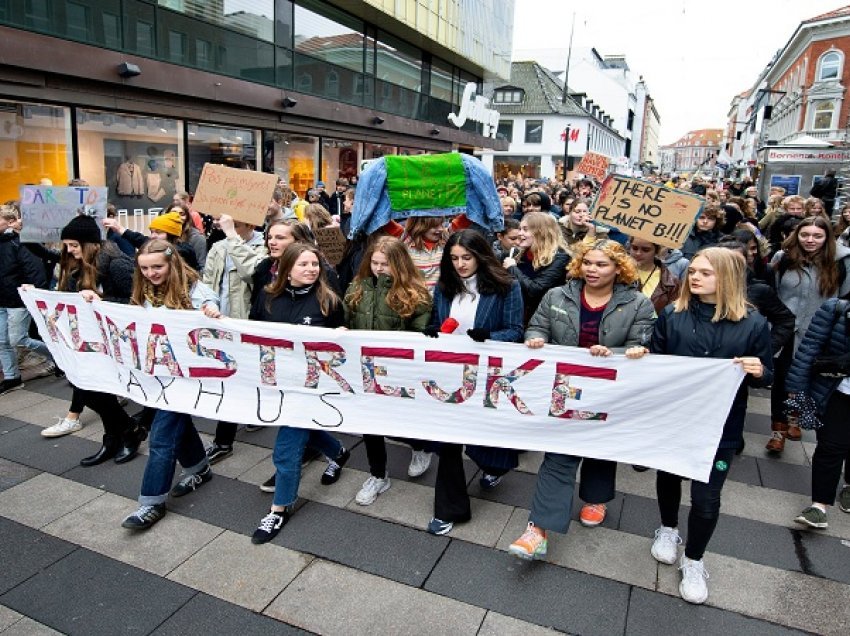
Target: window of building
508,96
324,33
829,66
293,159
340,158
505,130
176,46
78,18
139,159
203,54
513,167
398,62
332,84
441,80
35,144
534,131
374,151
823,116
254,18
233,147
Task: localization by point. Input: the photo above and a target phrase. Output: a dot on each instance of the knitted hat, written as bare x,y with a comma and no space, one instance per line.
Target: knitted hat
82,229
170,223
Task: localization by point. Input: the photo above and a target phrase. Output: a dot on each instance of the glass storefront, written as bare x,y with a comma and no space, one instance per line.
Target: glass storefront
340,158
139,158
35,144
232,147
509,167
374,151
292,158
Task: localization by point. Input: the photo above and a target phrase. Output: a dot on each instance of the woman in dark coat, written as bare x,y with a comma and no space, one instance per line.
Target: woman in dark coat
480,299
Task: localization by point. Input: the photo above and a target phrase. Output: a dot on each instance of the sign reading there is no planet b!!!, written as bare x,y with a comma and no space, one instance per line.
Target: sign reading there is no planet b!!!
646,210
243,194
45,210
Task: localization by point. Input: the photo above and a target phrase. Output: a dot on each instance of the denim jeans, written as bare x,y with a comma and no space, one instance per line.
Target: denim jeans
288,449
14,331
173,438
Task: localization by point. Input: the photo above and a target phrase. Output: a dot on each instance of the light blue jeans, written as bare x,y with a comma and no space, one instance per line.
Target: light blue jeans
14,332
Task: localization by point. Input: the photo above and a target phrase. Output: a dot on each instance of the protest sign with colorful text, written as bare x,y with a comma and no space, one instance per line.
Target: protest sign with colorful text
243,194
45,210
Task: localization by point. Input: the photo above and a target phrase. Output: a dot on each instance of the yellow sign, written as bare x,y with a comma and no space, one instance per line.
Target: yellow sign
243,194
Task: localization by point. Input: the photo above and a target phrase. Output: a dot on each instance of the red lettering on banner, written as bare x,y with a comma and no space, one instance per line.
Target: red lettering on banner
83,346
369,370
194,338
469,377
160,352
563,391
498,382
115,336
316,366
51,319
268,355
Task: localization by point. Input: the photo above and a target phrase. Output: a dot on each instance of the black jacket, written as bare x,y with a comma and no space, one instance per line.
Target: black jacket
535,283
295,306
137,239
697,240
781,320
691,333
17,267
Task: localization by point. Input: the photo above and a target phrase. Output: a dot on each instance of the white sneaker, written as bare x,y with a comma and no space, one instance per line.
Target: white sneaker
693,587
419,463
664,548
64,426
372,487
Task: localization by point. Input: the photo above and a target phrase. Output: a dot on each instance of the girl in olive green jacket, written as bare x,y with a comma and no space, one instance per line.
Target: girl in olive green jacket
387,294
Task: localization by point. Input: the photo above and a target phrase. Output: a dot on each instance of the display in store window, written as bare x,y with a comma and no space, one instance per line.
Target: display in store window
141,174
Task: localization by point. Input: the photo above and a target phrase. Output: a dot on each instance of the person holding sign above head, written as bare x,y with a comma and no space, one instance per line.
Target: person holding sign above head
388,294
598,309
162,279
168,227
710,319
477,298
299,295
542,261
97,270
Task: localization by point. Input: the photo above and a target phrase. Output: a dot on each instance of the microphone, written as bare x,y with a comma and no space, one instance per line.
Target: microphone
449,325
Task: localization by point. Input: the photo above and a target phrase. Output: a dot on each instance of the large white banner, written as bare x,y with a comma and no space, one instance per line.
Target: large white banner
661,411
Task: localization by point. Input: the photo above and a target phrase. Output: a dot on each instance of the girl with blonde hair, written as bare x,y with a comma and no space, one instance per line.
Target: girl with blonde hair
710,319
542,263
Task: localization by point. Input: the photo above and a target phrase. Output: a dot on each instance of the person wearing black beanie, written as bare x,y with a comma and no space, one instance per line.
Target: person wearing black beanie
82,229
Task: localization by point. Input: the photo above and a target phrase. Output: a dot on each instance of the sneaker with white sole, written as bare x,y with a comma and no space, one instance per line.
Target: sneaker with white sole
665,548
144,517
694,586
270,526
191,482
440,527
531,545
64,426
269,484
372,487
334,469
844,499
813,517
420,461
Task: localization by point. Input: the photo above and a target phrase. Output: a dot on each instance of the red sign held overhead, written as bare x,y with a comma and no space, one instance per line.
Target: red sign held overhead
594,165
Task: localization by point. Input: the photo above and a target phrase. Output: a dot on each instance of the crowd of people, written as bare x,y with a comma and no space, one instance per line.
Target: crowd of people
756,282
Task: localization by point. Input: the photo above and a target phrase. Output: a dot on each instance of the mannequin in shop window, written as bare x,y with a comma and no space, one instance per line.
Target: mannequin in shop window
129,179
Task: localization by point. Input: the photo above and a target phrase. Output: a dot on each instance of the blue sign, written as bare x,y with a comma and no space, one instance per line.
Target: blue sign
791,183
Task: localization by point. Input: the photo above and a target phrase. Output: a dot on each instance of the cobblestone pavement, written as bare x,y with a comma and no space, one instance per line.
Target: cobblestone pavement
67,566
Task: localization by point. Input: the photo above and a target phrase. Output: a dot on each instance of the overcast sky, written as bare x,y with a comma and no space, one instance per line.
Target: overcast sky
694,56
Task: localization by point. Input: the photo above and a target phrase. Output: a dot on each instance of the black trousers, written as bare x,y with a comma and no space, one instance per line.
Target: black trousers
116,422
778,394
376,452
598,480
451,501
833,450
705,502
225,433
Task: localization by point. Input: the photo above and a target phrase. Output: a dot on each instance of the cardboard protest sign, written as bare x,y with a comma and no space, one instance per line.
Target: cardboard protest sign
593,164
243,194
332,243
45,210
649,211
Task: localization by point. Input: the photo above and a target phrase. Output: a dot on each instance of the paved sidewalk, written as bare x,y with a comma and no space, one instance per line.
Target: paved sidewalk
68,567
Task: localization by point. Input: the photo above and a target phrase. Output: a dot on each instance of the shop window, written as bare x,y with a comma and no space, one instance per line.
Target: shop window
139,159
35,144
534,131
340,158
513,167
233,147
823,115
293,159
829,66
374,151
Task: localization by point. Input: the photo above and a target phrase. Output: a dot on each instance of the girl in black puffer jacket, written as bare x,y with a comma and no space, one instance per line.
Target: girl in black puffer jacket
97,269
710,319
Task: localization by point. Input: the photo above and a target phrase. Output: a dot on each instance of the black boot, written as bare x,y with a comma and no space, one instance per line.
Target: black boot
130,449
107,451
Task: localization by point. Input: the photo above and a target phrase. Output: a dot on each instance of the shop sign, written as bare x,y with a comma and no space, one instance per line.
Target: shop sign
803,155
474,107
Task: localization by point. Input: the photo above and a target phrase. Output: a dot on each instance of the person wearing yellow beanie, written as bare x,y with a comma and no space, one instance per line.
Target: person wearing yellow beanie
167,226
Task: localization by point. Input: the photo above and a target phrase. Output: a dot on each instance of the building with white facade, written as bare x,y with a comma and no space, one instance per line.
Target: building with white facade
534,120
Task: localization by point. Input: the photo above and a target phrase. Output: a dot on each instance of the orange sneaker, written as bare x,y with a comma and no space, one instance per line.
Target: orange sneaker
592,515
531,545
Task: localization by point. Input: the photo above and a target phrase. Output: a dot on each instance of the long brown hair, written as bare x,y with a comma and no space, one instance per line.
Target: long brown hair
317,217
85,268
548,238
187,221
407,291
823,260
416,227
327,297
175,292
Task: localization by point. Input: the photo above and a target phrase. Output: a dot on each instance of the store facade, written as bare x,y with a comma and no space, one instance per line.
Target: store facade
137,95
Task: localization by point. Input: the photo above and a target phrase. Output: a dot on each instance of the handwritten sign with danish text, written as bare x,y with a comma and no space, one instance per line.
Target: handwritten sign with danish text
243,194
